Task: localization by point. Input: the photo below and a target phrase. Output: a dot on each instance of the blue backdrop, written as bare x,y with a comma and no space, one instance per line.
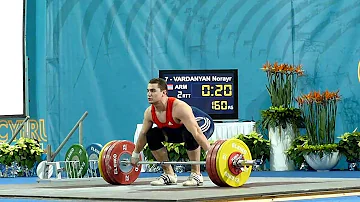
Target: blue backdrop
98,55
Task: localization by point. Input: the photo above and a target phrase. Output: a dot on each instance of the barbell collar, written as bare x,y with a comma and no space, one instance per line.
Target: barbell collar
241,163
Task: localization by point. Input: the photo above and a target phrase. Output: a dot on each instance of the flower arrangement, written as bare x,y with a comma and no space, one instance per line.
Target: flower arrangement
281,119
282,80
26,152
319,112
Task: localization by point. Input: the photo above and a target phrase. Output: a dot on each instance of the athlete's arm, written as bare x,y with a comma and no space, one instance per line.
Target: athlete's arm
184,113
147,124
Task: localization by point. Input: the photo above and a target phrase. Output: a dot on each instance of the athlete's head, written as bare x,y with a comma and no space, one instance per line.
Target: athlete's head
156,90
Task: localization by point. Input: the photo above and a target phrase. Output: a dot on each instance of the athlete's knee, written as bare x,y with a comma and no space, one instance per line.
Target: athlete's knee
154,138
190,142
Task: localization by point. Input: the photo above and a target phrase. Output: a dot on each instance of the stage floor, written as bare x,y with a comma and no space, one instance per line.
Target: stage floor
96,189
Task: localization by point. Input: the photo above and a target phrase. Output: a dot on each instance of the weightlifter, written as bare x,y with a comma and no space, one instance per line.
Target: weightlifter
176,123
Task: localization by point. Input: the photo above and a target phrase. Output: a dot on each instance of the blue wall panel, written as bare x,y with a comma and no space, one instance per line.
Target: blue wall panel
98,56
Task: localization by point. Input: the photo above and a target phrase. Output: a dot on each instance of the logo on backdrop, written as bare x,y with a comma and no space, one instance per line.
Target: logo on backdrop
36,129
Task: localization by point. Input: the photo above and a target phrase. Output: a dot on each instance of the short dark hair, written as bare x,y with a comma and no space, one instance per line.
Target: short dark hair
161,83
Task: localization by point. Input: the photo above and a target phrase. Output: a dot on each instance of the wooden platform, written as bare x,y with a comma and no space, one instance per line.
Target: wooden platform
96,189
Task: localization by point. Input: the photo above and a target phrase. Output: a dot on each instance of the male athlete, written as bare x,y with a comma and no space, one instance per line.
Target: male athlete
175,123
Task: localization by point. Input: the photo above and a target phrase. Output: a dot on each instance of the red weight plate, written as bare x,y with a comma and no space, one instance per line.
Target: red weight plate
102,170
208,164
207,160
213,164
122,174
107,163
103,165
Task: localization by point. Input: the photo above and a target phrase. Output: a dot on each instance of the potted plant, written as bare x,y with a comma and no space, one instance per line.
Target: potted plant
301,151
258,145
7,154
319,112
295,153
25,153
281,119
28,152
349,146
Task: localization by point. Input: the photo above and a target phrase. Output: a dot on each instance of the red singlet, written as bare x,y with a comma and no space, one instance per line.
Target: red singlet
170,123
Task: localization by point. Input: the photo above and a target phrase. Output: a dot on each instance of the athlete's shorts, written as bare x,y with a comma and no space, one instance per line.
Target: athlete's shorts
155,136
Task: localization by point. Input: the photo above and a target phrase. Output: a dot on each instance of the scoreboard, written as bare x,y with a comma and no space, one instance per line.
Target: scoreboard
213,91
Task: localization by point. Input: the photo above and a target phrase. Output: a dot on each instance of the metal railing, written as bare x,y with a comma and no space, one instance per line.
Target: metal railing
18,129
50,156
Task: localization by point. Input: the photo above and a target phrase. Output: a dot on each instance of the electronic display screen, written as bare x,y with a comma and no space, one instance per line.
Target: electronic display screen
213,91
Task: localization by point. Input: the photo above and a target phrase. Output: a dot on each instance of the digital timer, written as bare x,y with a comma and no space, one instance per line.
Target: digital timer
217,90
213,91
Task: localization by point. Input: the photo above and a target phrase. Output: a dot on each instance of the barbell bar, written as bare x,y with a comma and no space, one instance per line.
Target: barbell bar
237,163
127,161
228,163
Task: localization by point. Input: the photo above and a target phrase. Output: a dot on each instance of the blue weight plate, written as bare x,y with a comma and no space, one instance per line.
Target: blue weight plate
93,151
205,122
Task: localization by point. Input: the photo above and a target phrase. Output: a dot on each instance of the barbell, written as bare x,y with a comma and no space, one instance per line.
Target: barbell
228,163
236,162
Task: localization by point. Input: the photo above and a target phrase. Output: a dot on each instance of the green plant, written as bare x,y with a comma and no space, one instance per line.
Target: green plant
7,154
26,152
294,152
280,116
349,146
176,152
301,147
282,79
319,112
259,146
318,149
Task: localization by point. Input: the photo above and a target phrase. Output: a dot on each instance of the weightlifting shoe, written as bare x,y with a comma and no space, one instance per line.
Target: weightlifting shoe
165,179
194,180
